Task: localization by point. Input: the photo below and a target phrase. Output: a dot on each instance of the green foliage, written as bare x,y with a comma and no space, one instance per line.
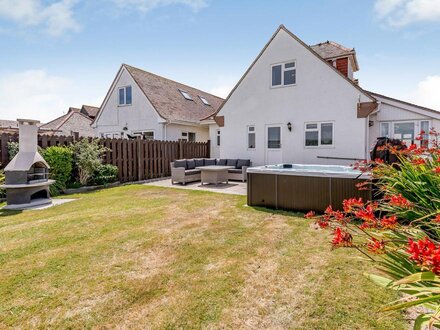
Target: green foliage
12,149
87,158
60,160
105,174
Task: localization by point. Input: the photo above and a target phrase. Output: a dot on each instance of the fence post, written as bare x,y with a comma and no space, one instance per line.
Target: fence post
180,149
4,150
139,158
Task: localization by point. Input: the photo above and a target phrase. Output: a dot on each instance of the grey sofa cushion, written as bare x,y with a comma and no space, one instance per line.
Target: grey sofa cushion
199,162
243,162
221,162
235,170
180,163
192,172
231,162
209,161
190,164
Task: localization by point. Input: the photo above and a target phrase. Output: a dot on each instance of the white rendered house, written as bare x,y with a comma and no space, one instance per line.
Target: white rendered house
140,103
301,104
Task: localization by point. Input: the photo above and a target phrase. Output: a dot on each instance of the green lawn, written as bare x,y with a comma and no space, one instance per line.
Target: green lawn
149,257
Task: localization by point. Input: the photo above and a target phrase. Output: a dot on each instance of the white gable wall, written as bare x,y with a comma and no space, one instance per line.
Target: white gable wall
139,116
320,94
174,132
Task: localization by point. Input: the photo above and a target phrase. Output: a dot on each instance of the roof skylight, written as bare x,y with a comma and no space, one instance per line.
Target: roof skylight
205,101
186,95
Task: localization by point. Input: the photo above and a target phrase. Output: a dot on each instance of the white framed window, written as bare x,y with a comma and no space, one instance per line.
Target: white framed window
186,95
124,95
274,137
406,131
283,74
251,137
218,137
146,135
204,100
318,134
188,136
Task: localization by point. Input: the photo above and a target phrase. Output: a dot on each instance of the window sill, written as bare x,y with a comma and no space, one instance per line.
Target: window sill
320,147
281,86
124,105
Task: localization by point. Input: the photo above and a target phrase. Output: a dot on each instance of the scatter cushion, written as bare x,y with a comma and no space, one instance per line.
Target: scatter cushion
234,170
180,163
192,172
199,162
243,162
190,164
221,162
231,162
209,161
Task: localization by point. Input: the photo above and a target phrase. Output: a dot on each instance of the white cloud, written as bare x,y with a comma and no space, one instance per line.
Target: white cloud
428,92
398,13
55,18
33,94
148,5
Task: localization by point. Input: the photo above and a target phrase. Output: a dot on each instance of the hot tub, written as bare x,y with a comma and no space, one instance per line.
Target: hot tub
304,187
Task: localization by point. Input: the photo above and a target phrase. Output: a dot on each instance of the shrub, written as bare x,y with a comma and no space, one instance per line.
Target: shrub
400,231
12,149
60,160
87,158
105,174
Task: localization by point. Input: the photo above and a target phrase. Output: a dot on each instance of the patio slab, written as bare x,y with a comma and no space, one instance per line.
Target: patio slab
233,187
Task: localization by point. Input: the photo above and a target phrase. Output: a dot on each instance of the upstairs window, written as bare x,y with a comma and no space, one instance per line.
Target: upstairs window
125,95
318,135
186,95
205,101
284,74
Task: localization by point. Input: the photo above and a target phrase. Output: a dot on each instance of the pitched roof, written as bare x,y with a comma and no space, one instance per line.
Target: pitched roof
165,96
90,111
331,49
405,102
57,123
282,27
8,123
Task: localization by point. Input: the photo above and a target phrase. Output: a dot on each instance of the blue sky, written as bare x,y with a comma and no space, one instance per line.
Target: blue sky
61,53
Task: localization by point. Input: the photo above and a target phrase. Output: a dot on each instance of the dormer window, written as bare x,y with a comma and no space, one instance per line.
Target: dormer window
125,95
205,101
284,74
186,95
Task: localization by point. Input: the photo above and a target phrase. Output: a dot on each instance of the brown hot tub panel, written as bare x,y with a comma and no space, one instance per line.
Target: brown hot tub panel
301,193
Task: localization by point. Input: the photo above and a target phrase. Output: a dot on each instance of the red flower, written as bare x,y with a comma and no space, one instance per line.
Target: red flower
376,246
362,185
398,200
366,214
379,160
322,224
341,238
418,161
309,215
349,204
437,218
329,210
389,223
436,170
426,254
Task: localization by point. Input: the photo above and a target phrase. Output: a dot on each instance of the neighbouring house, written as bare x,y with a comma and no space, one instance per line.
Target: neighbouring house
8,126
142,104
301,104
73,123
89,111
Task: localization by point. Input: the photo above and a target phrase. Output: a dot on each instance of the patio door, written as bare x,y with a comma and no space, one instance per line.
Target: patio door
273,151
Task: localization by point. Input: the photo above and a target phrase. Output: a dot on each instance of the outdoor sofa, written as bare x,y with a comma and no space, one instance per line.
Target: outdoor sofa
184,170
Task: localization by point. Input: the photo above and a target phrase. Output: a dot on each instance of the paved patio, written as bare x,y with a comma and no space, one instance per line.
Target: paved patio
233,187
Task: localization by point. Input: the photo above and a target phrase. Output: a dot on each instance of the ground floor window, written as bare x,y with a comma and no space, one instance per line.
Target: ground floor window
406,131
318,134
145,135
188,136
251,137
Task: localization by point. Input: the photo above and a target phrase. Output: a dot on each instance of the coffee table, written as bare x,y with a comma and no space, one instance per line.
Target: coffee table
214,174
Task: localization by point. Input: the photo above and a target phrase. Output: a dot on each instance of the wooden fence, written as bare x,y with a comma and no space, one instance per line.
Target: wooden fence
136,159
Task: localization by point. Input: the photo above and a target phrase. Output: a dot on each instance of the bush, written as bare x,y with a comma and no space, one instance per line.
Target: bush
12,149
105,174
87,158
400,232
60,160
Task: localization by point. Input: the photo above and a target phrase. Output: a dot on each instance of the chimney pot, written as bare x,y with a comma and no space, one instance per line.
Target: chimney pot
27,135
